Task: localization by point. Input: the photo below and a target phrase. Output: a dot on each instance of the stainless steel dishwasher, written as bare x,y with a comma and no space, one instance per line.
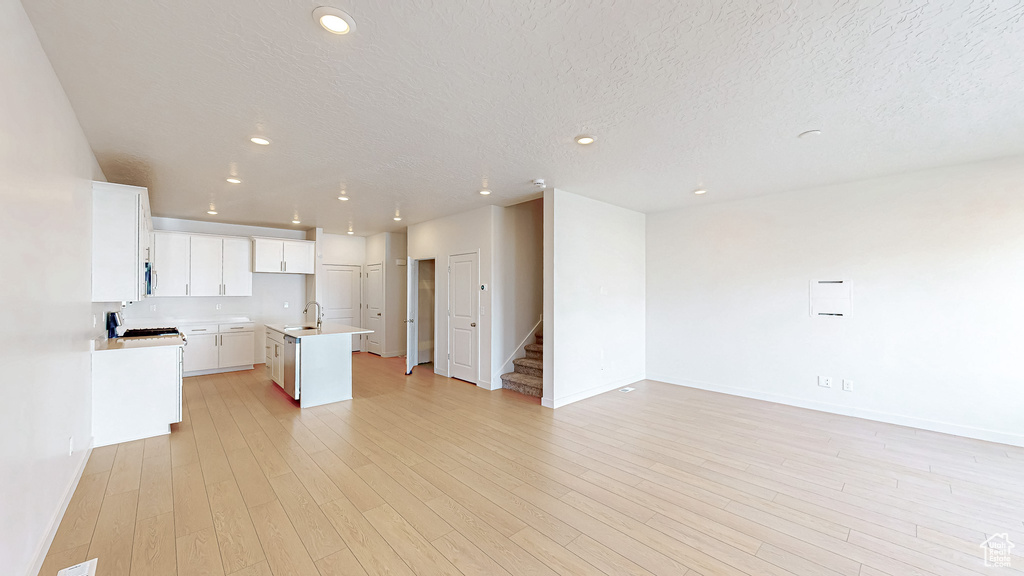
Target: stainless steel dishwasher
292,385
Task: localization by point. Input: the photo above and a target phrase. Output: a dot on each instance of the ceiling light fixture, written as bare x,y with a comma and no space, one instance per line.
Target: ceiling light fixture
212,211
333,20
351,232
234,181
583,139
700,191
343,197
485,192
809,133
398,218
260,140
296,221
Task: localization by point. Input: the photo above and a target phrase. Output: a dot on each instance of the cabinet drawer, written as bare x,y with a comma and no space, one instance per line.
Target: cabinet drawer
275,337
236,327
199,329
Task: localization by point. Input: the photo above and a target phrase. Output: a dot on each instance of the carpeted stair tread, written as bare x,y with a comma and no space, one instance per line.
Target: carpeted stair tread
529,362
530,366
523,383
535,348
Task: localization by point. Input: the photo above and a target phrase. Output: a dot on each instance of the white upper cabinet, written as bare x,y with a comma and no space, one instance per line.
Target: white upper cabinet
205,268
201,265
283,256
170,263
237,277
120,243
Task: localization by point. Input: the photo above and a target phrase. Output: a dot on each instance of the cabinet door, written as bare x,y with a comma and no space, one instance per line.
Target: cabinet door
236,349
268,255
115,243
171,263
299,257
278,373
205,266
200,353
237,269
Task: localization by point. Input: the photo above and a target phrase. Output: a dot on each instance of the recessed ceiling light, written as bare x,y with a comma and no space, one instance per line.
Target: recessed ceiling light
234,181
809,134
485,192
700,191
584,139
351,232
211,212
398,218
343,198
260,140
296,221
333,20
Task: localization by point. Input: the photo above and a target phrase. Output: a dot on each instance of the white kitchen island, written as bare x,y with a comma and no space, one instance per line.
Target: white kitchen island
312,365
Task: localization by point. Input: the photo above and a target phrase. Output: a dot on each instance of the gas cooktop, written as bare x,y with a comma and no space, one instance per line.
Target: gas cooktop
149,332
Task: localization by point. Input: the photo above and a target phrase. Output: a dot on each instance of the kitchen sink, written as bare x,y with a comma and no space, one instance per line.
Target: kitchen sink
290,328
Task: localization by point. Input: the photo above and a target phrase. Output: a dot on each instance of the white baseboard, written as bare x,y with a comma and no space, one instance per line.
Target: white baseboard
559,402
44,545
217,370
888,418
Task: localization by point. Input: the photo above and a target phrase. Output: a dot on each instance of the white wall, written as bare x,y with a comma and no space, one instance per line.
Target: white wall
46,167
594,293
444,237
270,292
518,290
935,260
396,291
343,249
387,248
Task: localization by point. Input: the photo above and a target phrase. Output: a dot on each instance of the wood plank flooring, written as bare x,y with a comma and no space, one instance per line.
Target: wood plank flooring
425,475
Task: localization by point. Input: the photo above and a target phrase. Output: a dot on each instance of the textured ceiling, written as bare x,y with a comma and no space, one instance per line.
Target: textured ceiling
428,100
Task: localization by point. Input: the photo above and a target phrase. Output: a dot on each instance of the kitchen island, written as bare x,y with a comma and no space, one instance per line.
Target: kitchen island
312,365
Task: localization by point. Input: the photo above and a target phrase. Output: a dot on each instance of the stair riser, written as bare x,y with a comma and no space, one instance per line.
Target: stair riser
539,372
528,390
535,355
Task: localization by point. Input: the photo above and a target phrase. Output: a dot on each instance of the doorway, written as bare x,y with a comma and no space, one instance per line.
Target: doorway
374,310
342,297
419,342
463,311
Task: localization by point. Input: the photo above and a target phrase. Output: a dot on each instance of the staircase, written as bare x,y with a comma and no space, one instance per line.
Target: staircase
529,375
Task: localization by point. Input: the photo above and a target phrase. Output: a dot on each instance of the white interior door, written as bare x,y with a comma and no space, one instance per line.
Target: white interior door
205,266
412,346
463,305
341,302
374,308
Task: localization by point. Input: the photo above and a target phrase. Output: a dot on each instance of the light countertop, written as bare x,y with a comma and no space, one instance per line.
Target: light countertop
326,328
129,343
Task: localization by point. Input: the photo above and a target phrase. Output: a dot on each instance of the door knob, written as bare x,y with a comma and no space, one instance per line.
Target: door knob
473,325
378,313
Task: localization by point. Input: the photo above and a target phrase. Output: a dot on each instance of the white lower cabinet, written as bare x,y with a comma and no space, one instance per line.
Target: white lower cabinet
213,347
275,356
136,393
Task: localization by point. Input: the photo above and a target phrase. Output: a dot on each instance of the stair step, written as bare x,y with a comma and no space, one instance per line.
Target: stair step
530,366
535,351
523,383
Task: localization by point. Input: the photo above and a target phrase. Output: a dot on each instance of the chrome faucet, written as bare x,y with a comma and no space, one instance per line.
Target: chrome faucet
319,312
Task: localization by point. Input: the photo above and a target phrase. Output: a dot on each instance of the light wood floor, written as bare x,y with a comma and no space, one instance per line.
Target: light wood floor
425,475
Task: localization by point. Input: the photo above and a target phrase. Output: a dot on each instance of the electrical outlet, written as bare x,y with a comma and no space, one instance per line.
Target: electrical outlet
93,320
218,306
825,381
285,304
71,445
847,385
